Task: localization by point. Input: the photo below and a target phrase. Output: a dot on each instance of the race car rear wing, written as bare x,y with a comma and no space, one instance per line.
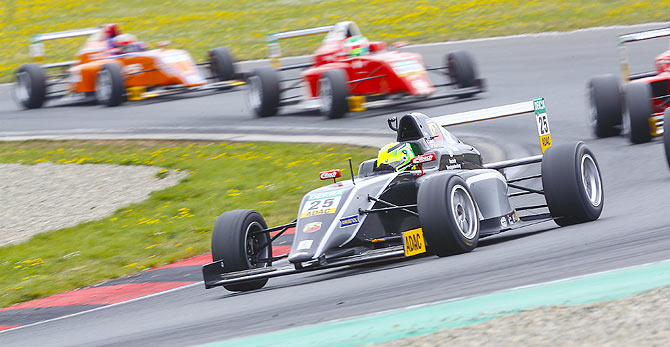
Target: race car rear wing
635,37
536,106
37,45
273,40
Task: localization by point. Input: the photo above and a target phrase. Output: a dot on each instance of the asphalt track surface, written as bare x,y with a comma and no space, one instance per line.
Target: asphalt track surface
633,229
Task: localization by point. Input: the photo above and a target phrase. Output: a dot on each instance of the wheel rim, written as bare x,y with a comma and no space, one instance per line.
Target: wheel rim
253,244
22,89
463,210
593,111
626,123
103,89
254,94
326,95
591,180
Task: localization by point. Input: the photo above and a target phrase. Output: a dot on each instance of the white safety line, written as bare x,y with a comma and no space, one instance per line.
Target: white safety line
102,307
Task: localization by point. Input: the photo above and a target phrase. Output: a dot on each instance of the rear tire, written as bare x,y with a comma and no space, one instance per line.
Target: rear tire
605,105
448,215
333,93
462,70
109,85
233,243
222,64
572,183
30,86
638,107
263,92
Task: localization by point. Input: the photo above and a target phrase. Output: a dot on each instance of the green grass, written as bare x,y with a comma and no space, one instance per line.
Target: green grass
172,224
199,25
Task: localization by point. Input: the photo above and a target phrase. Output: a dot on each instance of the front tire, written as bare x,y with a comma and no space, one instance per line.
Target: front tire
333,93
109,85
234,241
638,107
263,92
462,70
222,64
448,215
605,105
572,183
30,86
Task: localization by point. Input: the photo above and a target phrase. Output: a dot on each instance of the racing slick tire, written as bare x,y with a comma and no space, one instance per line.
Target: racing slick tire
605,105
572,183
666,136
638,112
234,242
448,215
263,92
110,85
333,93
30,86
462,71
222,64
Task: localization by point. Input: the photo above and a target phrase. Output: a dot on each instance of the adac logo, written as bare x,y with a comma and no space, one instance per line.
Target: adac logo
348,221
311,227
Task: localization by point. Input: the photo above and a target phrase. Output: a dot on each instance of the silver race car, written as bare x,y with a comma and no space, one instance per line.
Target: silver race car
428,192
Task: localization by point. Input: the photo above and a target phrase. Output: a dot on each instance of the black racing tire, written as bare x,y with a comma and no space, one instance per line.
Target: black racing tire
462,70
333,93
110,85
638,107
442,202
263,92
230,243
605,105
222,64
666,136
30,86
572,183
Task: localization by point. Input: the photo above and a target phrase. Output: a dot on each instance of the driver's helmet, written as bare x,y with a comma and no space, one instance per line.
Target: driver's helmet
124,40
396,155
357,46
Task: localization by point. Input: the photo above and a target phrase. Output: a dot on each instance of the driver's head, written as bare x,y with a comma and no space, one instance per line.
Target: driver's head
124,40
357,46
396,155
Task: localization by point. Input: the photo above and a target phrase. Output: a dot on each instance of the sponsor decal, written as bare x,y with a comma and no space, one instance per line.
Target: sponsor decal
132,68
311,227
424,158
406,67
348,221
413,242
305,244
321,203
332,174
319,196
503,222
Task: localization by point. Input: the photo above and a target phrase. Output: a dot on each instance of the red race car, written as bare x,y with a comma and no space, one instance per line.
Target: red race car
349,73
638,108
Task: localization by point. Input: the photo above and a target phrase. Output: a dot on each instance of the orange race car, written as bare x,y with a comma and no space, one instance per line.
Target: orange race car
113,67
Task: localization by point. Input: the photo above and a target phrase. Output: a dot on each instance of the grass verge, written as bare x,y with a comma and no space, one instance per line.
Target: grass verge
172,224
199,25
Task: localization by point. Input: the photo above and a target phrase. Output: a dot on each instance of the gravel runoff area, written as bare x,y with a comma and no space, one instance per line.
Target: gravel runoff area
42,197
639,320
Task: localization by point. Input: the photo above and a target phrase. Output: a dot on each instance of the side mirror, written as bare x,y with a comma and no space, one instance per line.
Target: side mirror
393,123
400,44
163,43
